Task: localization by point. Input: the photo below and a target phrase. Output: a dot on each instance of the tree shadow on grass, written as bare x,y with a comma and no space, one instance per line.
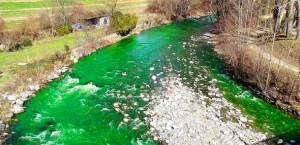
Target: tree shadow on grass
290,138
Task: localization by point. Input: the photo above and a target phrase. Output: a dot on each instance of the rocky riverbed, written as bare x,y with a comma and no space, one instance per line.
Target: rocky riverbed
178,115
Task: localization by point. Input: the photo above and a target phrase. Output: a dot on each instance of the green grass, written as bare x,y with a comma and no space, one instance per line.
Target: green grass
40,50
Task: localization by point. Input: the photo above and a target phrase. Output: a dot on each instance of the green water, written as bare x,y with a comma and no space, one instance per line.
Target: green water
79,108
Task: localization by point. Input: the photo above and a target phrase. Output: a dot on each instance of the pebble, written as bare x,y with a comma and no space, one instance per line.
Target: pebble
17,109
105,109
19,102
154,77
12,97
243,119
152,69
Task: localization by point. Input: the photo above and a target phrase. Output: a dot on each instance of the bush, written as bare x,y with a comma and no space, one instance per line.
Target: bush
64,29
15,47
2,25
26,42
67,49
123,24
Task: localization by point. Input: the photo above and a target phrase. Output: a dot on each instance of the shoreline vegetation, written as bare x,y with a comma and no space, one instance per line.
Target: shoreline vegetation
259,42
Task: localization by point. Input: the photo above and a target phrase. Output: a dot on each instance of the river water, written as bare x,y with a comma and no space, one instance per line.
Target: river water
102,100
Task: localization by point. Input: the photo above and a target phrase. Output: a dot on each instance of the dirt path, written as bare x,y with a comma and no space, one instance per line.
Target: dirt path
274,59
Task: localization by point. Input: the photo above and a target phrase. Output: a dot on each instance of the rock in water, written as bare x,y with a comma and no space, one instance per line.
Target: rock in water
153,77
280,141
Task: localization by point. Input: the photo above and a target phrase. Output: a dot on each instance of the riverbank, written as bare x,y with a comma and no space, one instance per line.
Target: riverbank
283,75
12,102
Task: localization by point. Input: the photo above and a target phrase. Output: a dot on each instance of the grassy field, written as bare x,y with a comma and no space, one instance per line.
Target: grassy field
14,11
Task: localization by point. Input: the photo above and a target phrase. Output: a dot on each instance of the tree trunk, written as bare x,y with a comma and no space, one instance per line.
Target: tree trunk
289,13
276,16
298,20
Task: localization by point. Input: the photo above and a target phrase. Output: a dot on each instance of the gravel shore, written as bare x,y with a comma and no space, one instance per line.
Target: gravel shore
178,115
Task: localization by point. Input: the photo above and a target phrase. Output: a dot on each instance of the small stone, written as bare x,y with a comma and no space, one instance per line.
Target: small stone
154,77
105,109
54,133
17,109
36,87
31,87
12,97
152,69
24,95
19,102
126,119
243,119
292,141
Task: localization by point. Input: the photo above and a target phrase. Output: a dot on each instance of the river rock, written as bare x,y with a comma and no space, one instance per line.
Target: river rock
17,109
36,87
292,141
154,77
280,141
54,133
243,119
12,97
19,102
31,87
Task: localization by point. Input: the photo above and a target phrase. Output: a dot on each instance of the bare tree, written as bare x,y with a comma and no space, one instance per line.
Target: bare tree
112,5
173,9
290,18
298,20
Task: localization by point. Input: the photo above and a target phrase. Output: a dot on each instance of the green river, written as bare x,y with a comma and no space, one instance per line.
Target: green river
78,109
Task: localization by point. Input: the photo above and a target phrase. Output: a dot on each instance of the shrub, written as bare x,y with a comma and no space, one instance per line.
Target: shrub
60,30
15,47
123,24
26,42
58,56
64,29
67,49
45,21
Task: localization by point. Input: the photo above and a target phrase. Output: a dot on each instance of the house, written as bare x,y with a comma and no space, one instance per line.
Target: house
96,21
